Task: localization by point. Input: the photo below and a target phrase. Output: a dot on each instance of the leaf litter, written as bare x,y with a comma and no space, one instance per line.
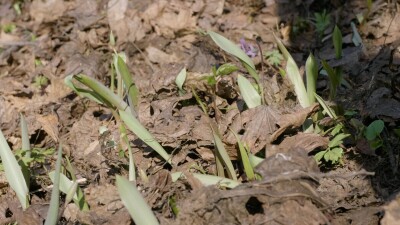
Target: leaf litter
75,38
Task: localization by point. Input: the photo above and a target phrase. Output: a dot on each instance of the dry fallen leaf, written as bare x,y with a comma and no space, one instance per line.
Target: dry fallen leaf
39,10
50,125
293,120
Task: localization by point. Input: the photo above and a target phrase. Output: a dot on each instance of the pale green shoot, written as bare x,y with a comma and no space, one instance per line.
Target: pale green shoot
248,169
328,110
255,160
180,80
293,73
137,207
124,137
52,214
25,151
13,172
230,47
247,90
136,127
123,72
101,93
222,154
311,75
66,185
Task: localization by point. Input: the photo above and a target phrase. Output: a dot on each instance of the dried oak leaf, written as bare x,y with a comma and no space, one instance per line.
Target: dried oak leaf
306,141
293,120
260,126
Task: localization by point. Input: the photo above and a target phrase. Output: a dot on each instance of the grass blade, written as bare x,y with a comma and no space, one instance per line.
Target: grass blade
137,207
222,154
293,73
247,90
102,91
311,75
124,137
326,108
334,79
65,185
356,36
231,48
248,169
13,172
83,92
136,127
52,214
123,71
337,42
180,80
255,160
26,148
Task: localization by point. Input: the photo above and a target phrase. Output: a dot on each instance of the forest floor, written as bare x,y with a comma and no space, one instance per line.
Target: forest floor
42,42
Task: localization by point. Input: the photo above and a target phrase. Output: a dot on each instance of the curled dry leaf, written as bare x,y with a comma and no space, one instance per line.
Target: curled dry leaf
293,120
306,141
50,125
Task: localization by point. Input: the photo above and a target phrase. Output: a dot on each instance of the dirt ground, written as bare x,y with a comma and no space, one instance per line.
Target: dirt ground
56,38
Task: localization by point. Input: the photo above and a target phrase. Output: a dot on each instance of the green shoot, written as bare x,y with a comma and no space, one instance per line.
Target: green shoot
100,93
52,214
137,207
180,80
293,73
222,154
13,172
356,36
136,127
124,137
337,42
234,50
335,78
250,95
41,81
26,150
112,38
311,75
226,69
248,169
17,8
123,72
9,28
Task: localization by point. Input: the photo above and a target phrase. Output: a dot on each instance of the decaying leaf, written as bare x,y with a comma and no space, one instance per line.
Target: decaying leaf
293,120
306,141
50,125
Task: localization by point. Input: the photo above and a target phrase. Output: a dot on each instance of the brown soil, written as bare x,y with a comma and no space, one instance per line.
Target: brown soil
56,38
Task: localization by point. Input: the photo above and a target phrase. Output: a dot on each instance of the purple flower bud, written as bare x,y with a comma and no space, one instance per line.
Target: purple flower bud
248,48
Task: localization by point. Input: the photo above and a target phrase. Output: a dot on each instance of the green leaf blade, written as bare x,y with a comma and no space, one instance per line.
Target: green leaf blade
293,73
137,207
180,80
312,75
136,127
52,214
13,172
231,48
337,42
250,95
